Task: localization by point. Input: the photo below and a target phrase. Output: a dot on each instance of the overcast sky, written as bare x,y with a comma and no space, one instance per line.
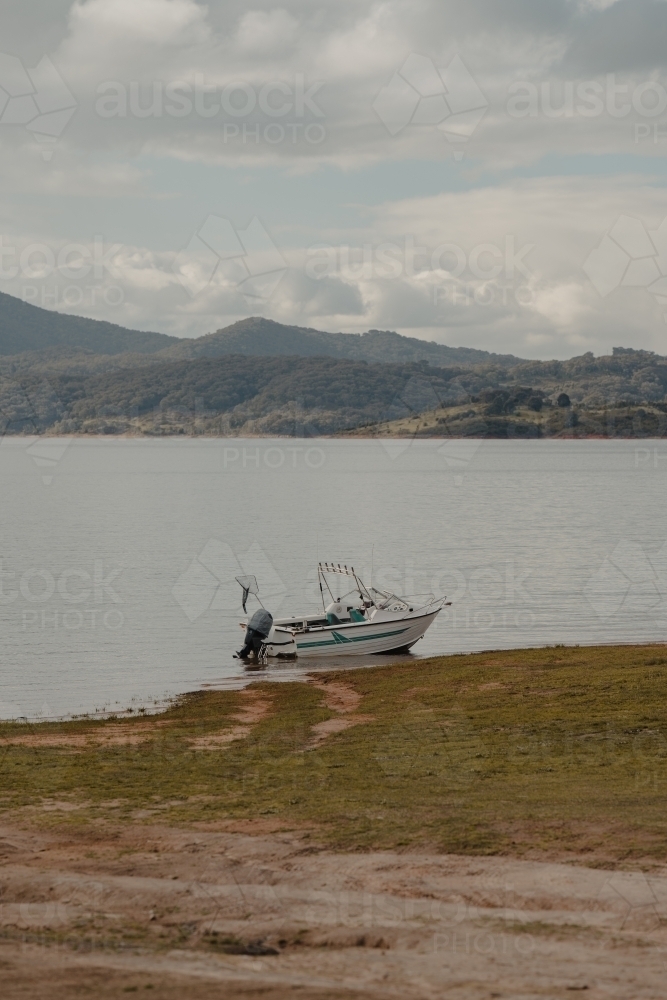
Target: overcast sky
485,173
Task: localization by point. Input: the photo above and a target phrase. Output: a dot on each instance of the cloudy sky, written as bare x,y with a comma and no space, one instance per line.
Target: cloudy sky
480,173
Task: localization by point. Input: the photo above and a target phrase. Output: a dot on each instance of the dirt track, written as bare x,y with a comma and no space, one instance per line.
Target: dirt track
259,912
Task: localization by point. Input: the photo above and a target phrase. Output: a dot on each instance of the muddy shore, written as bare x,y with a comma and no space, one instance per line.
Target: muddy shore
261,913
483,826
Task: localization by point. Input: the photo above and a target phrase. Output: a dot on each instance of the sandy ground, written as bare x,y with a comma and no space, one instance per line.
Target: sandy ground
247,911
344,700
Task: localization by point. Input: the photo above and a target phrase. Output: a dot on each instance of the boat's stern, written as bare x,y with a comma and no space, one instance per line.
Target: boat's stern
281,643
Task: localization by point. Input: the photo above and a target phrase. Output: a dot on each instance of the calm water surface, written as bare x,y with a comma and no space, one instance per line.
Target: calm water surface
118,556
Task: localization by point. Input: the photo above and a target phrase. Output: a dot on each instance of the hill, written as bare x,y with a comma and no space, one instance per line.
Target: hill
259,337
64,374
25,327
621,394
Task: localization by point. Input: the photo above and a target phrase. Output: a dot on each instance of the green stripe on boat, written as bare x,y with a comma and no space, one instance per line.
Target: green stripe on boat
339,639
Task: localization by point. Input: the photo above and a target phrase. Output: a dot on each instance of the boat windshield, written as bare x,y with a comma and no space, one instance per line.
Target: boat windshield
384,601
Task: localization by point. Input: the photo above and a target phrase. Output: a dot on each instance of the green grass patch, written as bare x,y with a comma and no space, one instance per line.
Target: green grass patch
546,751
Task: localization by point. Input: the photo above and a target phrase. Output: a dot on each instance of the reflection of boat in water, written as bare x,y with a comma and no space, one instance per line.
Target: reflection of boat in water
362,620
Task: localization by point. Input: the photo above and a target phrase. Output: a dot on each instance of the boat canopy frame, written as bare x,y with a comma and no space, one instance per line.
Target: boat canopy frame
378,598
336,569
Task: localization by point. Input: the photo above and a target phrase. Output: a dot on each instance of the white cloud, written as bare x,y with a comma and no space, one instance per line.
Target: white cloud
371,45
128,39
349,53
552,310
353,52
596,4
261,32
151,22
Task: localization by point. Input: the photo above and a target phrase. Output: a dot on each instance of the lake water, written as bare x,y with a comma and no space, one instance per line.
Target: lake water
118,556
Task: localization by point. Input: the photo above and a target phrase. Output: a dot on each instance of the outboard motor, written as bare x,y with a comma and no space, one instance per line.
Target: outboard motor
257,633
259,626
261,622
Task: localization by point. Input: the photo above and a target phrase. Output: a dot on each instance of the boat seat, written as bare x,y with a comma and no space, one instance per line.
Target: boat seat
333,619
356,615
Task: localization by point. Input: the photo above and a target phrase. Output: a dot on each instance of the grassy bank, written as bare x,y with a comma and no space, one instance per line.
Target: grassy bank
484,421
552,751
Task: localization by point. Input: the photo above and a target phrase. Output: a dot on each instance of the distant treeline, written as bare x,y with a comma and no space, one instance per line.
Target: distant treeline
298,396
68,375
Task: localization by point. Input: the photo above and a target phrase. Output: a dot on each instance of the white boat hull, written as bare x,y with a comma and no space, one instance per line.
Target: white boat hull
352,638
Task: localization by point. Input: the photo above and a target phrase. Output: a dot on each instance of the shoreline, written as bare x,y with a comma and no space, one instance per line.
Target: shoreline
282,727
326,437
310,675
485,824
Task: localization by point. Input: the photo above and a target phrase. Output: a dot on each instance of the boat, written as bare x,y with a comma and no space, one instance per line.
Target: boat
362,620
